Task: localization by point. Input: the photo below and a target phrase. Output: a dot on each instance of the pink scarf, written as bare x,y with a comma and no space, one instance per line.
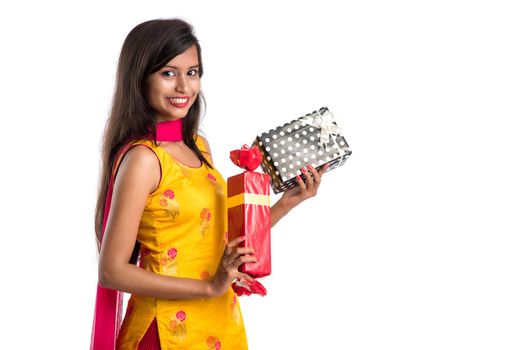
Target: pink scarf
108,305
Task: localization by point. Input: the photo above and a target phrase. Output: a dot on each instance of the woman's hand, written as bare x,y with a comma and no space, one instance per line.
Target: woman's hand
294,196
227,271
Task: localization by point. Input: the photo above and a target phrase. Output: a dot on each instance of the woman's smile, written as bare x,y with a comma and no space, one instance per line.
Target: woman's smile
180,101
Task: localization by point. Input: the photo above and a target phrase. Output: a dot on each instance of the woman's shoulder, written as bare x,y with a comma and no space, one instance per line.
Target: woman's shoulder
149,149
142,152
140,155
139,160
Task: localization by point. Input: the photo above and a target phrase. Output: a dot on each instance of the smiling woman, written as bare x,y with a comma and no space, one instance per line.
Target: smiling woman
153,195
157,206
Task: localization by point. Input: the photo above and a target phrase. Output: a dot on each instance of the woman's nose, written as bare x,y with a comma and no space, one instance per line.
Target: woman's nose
181,84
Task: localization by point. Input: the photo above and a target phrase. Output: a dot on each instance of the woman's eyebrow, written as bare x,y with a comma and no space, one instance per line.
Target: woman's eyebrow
175,67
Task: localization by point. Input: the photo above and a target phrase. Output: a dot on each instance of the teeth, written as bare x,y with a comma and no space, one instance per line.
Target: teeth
178,100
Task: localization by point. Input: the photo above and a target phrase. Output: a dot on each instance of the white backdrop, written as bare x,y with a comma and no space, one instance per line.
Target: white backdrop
415,243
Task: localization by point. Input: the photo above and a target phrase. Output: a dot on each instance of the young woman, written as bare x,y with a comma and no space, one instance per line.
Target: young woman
168,204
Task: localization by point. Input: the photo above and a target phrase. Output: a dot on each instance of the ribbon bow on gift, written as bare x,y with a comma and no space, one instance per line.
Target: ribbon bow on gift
324,122
247,158
244,287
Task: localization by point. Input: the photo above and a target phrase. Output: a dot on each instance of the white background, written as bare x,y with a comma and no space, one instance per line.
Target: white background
415,243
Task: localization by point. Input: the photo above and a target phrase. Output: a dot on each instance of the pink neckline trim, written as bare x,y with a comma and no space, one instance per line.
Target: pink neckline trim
170,130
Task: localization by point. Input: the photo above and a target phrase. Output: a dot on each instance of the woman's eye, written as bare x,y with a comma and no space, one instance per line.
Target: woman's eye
193,72
168,74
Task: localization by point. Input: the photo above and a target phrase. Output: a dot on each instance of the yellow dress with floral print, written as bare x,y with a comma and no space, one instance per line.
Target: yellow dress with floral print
182,233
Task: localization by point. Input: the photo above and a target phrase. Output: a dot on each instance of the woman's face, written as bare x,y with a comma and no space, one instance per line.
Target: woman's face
174,88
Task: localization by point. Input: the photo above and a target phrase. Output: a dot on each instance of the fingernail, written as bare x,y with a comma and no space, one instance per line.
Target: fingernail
309,166
303,170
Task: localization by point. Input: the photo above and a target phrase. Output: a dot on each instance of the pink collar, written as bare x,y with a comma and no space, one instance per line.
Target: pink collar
170,130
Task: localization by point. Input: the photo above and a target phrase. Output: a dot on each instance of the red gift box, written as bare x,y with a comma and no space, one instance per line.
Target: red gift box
249,214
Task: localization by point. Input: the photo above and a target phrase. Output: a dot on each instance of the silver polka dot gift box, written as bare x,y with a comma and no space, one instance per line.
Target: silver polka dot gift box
314,139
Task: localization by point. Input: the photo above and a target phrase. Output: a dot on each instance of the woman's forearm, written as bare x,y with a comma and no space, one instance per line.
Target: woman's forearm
133,279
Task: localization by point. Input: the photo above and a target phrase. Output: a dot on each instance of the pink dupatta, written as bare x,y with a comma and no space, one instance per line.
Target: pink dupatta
108,304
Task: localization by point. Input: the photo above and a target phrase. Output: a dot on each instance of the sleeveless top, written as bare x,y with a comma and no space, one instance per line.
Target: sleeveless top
183,233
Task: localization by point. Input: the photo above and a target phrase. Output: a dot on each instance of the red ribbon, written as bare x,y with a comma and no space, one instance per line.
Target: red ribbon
248,158
245,287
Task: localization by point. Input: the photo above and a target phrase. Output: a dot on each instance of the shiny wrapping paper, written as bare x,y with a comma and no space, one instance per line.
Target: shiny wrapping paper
314,138
249,216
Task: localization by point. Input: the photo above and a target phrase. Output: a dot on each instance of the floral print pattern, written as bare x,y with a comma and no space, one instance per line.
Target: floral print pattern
168,262
213,343
170,204
205,217
172,253
177,326
213,181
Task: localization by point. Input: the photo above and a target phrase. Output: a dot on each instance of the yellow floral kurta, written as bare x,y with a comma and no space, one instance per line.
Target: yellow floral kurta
183,234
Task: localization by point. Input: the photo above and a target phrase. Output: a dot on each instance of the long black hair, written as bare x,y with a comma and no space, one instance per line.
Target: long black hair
147,48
